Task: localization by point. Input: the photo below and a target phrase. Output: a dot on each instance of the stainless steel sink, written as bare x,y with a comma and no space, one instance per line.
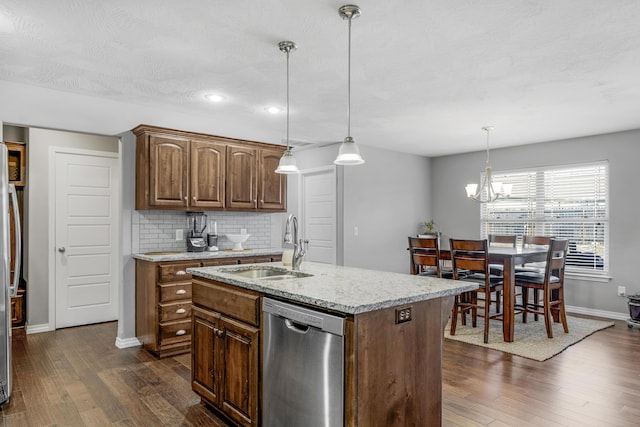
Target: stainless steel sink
265,272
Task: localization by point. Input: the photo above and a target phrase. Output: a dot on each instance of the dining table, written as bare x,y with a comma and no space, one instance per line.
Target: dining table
509,257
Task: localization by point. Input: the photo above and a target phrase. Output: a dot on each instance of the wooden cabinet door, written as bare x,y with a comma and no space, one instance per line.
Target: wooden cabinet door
168,172
205,378
207,174
240,368
242,178
273,186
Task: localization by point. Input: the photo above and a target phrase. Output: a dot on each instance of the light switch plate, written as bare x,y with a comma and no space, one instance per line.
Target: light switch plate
179,234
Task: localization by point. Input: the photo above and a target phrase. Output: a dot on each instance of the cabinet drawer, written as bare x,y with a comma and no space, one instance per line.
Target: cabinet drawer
175,332
175,311
174,291
173,272
240,304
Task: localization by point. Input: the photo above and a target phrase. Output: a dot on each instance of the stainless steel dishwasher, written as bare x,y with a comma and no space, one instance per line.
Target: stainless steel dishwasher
303,367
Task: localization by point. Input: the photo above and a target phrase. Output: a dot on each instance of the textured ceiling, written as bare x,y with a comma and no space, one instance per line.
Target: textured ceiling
426,75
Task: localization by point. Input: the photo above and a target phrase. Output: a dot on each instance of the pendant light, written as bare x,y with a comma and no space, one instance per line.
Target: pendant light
349,153
287,163
489,191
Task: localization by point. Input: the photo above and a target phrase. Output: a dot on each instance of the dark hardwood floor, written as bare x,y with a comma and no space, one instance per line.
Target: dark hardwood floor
77,377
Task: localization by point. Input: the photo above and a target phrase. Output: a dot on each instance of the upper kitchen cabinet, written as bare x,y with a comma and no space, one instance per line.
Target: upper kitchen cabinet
190,171
207,174
242,177
273,186
168,172
251,179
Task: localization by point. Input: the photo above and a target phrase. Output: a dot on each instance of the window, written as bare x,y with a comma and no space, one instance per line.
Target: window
570,202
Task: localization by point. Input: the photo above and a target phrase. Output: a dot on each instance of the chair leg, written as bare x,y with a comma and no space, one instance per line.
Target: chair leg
454,315
474,309
498,301
536,303
487,305
547,312
525,303
563,314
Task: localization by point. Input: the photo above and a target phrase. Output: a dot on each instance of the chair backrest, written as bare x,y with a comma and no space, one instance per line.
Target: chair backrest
470,255
533,241
502,240
556,259
424,253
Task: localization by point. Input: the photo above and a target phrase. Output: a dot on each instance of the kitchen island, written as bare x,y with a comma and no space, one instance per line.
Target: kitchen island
392,339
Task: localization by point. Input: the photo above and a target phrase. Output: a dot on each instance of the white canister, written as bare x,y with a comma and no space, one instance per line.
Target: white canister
287,257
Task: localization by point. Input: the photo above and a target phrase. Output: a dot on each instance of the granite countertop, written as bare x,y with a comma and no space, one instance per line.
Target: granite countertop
343,289
188,256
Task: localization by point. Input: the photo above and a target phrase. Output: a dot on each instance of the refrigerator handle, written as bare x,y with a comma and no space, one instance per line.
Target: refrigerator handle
13,288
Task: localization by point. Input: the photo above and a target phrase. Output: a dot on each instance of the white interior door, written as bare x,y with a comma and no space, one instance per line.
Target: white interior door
319,214
86,236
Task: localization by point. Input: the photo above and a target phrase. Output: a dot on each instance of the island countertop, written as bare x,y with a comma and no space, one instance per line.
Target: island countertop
344,289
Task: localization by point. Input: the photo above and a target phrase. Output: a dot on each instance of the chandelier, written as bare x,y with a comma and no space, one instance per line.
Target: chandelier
489,190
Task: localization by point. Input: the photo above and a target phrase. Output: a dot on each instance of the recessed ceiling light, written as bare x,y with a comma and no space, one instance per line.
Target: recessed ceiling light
274,110
214,97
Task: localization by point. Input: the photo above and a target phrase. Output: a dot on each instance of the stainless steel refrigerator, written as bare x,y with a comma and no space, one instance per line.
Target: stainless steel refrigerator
7,288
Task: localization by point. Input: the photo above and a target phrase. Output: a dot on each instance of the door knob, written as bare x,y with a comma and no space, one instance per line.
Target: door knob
61,249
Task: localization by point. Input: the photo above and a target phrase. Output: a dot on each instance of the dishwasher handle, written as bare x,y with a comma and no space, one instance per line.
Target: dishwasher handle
296,327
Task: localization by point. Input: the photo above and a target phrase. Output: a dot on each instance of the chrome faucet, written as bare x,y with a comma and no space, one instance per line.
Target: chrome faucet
298,249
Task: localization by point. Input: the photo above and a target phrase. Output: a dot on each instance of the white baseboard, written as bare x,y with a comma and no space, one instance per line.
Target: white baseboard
127,342
36,329
597,313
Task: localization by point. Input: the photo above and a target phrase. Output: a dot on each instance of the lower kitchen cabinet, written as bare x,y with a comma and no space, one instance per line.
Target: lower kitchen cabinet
163,301
225,353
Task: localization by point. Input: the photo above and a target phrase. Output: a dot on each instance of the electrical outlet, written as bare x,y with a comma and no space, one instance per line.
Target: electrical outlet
622,291
179,234
403,314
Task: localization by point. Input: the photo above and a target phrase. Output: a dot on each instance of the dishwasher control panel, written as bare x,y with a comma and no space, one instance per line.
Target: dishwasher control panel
316,319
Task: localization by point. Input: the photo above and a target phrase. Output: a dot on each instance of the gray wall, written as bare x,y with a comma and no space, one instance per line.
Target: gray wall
460,217
387,198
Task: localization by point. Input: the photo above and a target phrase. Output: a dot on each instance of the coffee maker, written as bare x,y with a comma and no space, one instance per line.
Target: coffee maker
196,224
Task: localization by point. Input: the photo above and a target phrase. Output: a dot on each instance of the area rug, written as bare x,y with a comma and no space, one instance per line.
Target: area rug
530,339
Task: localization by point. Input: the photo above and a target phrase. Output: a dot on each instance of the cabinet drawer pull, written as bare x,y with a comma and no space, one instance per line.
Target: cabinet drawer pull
181,292
181,311
181,332
180,273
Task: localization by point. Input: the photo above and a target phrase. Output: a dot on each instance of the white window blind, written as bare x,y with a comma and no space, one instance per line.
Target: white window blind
570,202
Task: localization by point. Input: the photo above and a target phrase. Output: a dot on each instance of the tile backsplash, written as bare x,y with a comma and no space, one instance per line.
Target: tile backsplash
156,230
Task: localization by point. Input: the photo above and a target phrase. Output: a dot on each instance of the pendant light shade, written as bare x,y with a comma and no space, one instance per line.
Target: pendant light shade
287,163
349,153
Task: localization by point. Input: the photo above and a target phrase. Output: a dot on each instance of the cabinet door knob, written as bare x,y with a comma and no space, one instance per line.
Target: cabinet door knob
62,249
195,199
181,332
220,333
186,198
181,292
181,311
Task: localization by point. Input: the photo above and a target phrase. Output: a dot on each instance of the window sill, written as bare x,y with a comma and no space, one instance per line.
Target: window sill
588,277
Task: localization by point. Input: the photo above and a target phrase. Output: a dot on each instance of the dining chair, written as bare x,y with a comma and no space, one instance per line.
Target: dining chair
551,282
505,241
424,253
529,241
472,257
